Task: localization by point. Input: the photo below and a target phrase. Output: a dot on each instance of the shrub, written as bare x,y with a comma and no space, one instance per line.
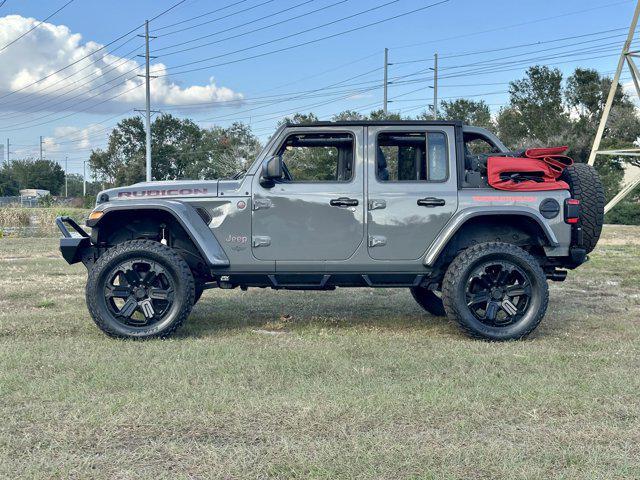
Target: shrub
625,213
21,221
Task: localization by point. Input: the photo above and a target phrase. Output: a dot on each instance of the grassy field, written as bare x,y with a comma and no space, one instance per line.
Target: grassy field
344,384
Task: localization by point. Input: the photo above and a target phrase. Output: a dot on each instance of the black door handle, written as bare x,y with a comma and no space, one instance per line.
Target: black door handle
431,202
344,202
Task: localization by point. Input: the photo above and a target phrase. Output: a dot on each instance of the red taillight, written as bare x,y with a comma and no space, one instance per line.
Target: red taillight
571,210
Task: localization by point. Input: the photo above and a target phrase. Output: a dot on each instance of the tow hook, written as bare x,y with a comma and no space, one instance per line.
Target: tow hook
557,275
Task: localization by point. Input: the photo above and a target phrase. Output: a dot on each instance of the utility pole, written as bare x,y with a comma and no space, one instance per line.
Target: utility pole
435,86
66,176
386,80
148,99
40,147
8,158
84,178
148,87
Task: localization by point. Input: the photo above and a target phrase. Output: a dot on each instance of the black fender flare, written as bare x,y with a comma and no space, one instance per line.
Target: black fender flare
459,219
187,216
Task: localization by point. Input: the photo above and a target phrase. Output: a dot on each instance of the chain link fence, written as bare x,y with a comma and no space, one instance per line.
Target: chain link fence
18,201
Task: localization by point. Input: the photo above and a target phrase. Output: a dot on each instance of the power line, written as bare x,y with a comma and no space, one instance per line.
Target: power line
201,15
214,20
415,81
78,111
35,26
522,45
302,44
513,25
78,103
245,24
75,62
309,42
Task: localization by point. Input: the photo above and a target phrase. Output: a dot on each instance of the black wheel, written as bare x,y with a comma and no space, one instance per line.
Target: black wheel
429,300
495,291
585,185
140,289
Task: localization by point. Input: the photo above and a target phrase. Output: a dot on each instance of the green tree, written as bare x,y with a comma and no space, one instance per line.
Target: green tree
511,129
123,162
380,115
348,115
75,186
8,185
223,152
180,149
586,93
299,118
470,112
39,174
537,99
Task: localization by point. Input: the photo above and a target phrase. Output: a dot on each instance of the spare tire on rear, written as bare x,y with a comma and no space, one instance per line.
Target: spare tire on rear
585,185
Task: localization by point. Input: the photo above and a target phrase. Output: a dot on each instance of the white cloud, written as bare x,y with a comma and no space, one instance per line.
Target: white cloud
79,138
51,47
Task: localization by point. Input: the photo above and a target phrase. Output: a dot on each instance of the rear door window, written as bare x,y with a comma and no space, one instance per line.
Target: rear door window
412,157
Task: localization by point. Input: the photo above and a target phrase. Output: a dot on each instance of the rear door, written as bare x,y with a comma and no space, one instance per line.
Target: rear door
412,188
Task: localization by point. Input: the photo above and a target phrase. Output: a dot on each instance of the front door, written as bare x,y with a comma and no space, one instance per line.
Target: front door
316,211
412,188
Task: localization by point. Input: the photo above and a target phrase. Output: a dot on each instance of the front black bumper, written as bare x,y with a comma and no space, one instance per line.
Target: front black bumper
74,248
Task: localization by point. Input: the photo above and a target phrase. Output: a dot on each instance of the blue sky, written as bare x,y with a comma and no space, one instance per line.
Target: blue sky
469,36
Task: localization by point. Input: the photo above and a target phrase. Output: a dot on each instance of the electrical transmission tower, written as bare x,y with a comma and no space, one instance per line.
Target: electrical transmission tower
626,56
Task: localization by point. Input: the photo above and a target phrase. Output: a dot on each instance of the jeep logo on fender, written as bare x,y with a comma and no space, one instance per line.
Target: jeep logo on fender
163,193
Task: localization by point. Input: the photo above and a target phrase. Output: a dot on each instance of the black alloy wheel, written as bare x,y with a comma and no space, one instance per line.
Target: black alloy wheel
498,293
139,292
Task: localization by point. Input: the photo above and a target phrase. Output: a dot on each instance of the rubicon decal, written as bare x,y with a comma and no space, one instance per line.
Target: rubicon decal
172,192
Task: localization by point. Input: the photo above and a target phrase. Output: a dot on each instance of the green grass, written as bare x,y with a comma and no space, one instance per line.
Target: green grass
344,384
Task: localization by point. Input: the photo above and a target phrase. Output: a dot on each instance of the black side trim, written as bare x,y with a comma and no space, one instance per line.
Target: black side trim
321,280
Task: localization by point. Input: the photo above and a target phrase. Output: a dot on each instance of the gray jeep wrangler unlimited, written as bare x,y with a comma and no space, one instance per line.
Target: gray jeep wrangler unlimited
402,204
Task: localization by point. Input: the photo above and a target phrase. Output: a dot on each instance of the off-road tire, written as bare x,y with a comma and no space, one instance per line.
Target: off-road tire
163,255
454,290
585,185
428,300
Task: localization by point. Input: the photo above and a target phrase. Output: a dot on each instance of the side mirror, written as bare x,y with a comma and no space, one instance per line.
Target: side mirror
271,170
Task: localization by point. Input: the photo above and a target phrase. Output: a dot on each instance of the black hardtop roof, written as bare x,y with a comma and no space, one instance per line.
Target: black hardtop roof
351,123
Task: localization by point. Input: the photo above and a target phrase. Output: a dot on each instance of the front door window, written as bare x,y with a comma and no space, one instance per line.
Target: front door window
318,157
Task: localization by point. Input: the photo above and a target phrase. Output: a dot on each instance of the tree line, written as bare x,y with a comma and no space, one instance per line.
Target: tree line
544,109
